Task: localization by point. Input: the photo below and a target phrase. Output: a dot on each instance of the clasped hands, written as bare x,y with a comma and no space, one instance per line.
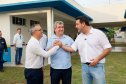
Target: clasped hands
57,43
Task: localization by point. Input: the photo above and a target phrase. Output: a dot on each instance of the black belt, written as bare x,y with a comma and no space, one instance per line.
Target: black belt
33,68
87,63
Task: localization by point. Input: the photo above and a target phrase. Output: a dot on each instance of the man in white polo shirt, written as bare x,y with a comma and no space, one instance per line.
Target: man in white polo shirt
93,46
34,56
18,41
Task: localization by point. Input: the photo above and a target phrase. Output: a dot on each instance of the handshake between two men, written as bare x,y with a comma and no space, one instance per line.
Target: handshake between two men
66,48
57,43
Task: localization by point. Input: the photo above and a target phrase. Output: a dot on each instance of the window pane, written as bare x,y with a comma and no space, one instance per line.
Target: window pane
24,21
16,20
13,20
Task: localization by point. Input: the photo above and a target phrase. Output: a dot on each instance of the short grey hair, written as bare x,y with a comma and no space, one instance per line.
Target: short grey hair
32,28
58,22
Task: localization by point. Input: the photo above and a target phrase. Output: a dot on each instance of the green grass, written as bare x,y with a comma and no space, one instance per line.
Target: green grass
115,67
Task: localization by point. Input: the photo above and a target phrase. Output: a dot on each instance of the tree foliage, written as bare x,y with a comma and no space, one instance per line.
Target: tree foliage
112,32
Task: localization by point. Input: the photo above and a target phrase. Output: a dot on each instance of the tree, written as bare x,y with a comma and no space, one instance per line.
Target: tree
112,32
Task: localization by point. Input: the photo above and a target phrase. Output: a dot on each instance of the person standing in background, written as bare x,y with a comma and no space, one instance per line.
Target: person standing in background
43,42
2,47
18,41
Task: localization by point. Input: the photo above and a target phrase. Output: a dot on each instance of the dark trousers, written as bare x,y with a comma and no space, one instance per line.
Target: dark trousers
64,74
1,60
34,76
18,55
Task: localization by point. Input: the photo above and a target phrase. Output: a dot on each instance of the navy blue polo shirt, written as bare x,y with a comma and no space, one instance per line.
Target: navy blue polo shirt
3,45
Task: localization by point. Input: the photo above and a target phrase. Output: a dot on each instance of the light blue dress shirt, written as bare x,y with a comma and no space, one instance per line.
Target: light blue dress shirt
61,59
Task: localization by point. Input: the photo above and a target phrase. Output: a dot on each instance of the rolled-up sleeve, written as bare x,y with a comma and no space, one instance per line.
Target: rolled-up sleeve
104,42
75,45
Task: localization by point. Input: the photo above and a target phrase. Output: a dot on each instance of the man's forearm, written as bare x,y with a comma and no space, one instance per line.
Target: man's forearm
50,48
67,48
104,54
15,45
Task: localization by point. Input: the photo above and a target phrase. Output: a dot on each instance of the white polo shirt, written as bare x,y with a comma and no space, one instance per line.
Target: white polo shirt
35,54
91,46
18,40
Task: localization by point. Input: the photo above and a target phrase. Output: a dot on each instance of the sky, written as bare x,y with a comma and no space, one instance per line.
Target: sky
98,2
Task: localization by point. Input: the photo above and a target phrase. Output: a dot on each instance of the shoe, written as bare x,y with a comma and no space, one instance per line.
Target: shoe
1,70
4,61
16,64
20,64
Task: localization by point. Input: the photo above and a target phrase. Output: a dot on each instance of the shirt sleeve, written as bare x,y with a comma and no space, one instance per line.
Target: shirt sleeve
49,44
104,41
22,38
37,50
75,45
71,41
5,46
46,39
15,39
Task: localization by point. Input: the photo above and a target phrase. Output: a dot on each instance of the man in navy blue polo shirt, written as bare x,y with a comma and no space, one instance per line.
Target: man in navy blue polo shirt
2,47
61,60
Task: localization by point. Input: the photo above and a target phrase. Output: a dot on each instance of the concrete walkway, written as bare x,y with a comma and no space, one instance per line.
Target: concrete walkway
118,49
12,64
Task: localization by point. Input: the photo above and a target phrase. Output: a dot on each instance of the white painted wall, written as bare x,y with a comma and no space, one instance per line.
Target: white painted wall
106,13
119,39
75,4
10,30
5,27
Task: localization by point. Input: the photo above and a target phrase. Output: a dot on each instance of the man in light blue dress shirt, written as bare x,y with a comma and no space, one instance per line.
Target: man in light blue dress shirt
61,60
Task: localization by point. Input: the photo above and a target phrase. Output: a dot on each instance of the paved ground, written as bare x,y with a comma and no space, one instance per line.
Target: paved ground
118,49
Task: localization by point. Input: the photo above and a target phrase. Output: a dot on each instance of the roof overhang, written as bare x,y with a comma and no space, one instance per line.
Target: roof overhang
104,29
61,5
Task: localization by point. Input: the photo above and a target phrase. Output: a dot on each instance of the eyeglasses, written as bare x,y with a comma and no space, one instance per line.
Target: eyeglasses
39,30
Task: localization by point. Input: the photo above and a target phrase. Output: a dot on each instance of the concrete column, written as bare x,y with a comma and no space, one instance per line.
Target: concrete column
50,22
